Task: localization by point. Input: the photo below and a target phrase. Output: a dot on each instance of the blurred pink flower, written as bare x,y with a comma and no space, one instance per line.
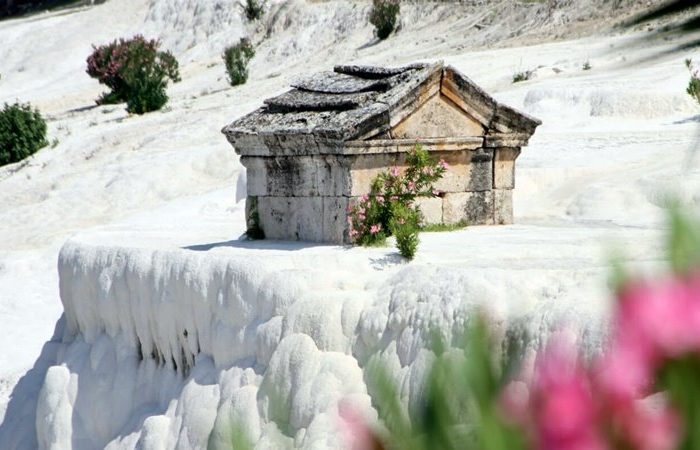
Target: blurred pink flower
561,401
443,164
411,185
648,426
356,434
394,171
374,229
653,323
380,199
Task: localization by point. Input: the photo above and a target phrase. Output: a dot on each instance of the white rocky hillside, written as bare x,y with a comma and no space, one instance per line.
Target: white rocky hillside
161,328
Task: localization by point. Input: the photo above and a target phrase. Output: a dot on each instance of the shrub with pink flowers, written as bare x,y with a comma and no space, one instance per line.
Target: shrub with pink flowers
136,72
390,209
641,393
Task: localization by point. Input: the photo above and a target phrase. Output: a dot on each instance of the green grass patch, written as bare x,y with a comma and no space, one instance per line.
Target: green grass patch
442,227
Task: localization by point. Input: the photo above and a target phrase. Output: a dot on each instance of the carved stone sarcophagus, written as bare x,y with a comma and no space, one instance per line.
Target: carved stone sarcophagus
312,150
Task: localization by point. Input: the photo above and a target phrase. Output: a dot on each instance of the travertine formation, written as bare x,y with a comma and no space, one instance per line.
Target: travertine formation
310,151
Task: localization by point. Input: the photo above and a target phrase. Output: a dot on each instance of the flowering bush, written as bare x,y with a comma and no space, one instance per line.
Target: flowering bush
236,59
642,393
22,132
389,208
135,71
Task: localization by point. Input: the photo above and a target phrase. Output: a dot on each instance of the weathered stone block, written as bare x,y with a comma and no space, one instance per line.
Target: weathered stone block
291,218
335,220
315,219
459,172
503,206
431,208
365,168
504,167
474,208
301,176
256,175
480,171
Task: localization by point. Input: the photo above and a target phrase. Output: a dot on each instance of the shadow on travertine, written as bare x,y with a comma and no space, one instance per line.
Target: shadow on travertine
260,244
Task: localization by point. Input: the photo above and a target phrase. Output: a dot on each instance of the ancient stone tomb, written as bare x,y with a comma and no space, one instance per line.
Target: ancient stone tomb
312,150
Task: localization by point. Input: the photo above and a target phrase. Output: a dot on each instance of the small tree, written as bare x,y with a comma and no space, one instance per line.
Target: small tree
135,71
236,58
253,9
383,16
22,132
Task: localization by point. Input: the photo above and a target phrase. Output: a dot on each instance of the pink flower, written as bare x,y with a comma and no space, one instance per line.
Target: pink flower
380,199
443,164
393,198
356,434
374,229
564,408
436,193
364,198
354,233
558,406
654,322
411,185
394,171
648,426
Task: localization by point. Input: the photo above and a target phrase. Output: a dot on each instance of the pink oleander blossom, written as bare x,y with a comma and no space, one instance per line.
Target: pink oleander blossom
355,432
374,229
561,401
443,164
394,171
411,185
654,322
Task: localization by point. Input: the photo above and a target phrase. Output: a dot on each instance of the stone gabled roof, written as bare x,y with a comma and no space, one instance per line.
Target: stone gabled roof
352,103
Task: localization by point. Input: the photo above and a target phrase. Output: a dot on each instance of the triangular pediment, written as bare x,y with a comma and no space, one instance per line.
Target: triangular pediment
438,117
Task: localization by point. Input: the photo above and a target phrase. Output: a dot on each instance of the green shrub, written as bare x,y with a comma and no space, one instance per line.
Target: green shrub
389,208
136,72
253,9
383,16
693,88
236,58
522,76
22,132
404,225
